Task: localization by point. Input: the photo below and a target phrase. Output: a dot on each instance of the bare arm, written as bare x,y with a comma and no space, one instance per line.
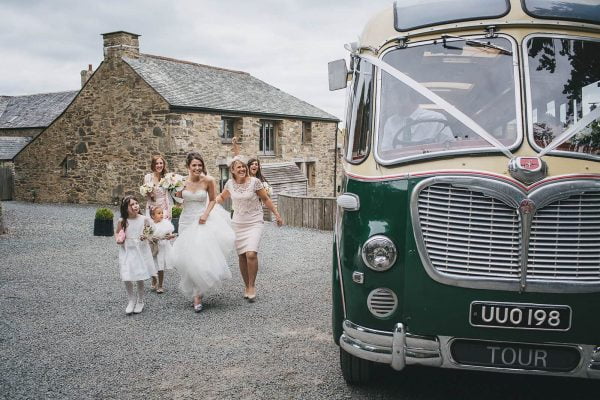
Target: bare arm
236,147
262,194
119,228
223,196
211,201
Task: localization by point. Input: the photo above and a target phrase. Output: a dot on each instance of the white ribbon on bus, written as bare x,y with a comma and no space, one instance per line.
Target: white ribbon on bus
459,115
572,131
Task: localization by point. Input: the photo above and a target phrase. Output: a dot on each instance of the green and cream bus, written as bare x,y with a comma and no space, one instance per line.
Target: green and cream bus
468,226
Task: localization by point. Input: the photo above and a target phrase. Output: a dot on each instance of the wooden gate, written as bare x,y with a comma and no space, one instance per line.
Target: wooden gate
7,183
308,212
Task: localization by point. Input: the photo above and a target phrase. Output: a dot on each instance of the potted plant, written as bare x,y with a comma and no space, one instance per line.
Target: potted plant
103,223
175,213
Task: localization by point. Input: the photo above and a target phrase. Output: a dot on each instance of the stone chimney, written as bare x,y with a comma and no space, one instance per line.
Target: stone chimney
85,75
121,44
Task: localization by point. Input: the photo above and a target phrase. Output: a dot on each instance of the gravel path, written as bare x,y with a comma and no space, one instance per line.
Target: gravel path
64,333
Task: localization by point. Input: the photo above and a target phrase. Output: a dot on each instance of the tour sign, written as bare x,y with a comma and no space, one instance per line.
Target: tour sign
515,355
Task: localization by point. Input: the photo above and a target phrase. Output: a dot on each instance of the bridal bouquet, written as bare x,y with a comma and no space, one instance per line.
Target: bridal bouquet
171,182
146,189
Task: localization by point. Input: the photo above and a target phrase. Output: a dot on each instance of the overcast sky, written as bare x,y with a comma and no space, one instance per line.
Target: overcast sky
287,43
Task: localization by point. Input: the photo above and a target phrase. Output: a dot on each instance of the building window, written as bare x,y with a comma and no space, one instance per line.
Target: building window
266,142
306,132
311,173
227,128
223,176
67,165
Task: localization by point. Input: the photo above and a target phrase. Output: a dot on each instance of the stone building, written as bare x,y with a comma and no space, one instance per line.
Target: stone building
135,105
22,118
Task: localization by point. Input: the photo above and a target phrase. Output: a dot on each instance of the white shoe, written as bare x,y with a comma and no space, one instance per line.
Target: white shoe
139,306
130,307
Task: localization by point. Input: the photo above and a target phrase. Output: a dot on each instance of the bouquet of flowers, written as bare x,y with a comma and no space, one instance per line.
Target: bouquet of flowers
147,233
172,182
146,189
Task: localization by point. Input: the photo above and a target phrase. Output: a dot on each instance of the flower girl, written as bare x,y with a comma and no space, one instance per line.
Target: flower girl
135,257
161,244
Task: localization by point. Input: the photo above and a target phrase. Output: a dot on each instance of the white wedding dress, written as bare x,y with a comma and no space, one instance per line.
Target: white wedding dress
200,252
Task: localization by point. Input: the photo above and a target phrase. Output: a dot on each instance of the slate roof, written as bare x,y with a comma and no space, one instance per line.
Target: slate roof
11,146
284,172
202,87
33,111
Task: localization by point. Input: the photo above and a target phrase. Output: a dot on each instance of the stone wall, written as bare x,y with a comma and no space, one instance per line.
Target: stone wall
100,148
200,131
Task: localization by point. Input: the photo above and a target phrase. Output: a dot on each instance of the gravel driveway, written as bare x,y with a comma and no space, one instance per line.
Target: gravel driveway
64,333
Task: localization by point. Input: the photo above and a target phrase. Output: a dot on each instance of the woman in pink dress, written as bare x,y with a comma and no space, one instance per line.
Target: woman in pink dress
246,193
158,197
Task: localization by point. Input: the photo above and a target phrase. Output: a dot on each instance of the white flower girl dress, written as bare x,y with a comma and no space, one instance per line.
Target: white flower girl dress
165,248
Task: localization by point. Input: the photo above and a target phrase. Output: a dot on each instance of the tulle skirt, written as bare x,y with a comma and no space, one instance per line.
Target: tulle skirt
135,260
200,252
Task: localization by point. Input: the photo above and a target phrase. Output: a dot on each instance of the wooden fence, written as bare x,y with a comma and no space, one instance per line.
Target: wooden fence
6,183
307,212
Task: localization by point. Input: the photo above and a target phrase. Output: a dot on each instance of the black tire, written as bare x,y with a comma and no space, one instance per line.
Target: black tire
356,371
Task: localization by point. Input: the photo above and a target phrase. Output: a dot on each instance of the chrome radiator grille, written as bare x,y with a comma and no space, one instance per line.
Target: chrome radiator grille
471,231
565,240
468,233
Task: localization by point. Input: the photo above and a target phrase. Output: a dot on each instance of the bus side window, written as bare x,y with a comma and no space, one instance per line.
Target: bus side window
359,114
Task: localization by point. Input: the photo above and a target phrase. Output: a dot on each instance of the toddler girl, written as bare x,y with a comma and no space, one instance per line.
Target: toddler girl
161,251
135,257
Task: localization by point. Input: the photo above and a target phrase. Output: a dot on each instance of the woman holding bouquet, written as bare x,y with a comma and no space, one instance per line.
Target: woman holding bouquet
245,192
152,188
205,235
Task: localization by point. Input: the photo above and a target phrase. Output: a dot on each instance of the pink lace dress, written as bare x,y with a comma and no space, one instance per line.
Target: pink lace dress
162,198
247,221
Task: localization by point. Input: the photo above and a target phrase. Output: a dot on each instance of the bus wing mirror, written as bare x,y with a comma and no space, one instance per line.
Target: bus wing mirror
338,74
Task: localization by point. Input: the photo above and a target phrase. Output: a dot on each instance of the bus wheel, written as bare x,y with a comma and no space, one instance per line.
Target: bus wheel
356,371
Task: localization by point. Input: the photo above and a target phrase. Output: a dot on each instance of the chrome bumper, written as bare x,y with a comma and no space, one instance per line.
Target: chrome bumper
400,348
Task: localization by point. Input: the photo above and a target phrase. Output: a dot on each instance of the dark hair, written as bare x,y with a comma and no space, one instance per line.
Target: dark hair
195,156
124,209
155,158
259,174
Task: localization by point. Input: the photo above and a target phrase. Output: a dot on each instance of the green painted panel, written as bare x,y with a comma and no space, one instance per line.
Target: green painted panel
427,307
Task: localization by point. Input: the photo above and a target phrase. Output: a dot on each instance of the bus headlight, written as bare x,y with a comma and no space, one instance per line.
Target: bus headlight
379,253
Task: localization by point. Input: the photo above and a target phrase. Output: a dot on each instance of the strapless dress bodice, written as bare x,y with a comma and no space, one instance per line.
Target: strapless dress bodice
194,204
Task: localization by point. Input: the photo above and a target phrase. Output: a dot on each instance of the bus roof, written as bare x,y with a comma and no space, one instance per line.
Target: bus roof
418,17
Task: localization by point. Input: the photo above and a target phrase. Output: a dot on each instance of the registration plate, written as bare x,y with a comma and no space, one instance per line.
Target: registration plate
520,316
515,355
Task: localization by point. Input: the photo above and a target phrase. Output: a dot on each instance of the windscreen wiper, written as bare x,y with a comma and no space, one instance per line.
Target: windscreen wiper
478,43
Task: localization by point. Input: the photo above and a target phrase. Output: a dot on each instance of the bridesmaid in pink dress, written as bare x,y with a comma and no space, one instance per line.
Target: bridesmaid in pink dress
157,198
246,193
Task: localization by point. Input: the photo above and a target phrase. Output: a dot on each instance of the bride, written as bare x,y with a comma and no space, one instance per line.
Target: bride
205,235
